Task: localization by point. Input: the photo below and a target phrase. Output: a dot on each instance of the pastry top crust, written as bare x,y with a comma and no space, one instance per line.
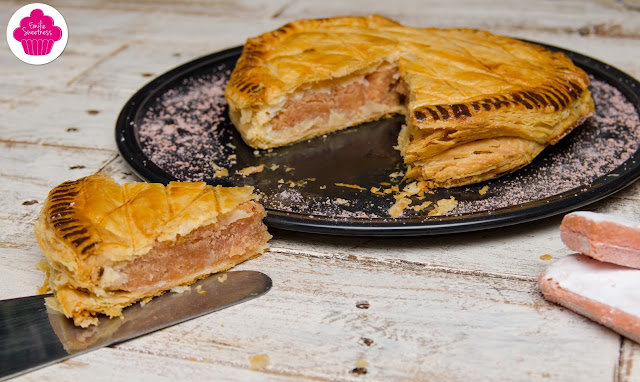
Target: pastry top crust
95,220
450,73
303,51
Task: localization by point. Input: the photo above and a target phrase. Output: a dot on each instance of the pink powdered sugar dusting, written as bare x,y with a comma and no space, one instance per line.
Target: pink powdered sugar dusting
182,133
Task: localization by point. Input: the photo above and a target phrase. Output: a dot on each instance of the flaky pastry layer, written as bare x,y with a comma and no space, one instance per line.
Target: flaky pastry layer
108,246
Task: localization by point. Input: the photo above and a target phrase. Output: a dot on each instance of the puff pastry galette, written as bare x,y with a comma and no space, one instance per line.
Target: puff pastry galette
477,105
109,245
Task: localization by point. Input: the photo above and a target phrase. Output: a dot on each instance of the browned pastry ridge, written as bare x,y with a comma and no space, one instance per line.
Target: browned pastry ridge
109,245
477,105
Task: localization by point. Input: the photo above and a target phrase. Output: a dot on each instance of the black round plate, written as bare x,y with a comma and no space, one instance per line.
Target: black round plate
324,185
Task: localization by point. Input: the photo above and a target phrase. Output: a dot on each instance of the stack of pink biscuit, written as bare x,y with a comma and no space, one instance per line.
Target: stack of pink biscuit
603,281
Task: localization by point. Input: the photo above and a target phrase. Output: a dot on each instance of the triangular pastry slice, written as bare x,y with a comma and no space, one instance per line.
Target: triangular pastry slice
109,245
477,105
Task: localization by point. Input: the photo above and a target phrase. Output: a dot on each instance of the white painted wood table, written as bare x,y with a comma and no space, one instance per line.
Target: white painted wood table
456,307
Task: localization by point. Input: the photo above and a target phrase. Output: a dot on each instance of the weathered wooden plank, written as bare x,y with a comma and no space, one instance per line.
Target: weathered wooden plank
629,356
511,251
8,95
119,170
605,18
50,117
625,205
19,267
136,64
151,55
228,9
632,192
325,317
117,365
27,175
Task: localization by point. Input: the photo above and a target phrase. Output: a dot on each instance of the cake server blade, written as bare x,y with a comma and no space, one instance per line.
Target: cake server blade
33,335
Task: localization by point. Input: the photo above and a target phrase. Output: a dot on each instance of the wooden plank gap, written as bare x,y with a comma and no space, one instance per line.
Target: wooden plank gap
406,264
7,244
96,64
101,170
75,147
624,369
602,30
624,197
11,142
618,370
282,9
204,360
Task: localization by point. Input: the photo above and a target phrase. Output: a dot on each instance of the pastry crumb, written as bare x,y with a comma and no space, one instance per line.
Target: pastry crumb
221,173
222,278
416,188
250,170
180,289
546,257
360,367
299,183
145,301
399,206
259,361
43,265
52,303
483,190
422,206
444,206
354,186
199,290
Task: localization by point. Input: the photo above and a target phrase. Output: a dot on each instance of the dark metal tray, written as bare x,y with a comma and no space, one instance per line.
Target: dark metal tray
308,186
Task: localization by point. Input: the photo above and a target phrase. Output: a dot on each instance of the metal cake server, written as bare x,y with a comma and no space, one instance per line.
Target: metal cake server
32,335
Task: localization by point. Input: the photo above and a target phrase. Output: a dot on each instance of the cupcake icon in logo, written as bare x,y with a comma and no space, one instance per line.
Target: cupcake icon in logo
37,34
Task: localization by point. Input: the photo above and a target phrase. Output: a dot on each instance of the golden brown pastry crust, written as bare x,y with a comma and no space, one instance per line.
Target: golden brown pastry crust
463,85
89,228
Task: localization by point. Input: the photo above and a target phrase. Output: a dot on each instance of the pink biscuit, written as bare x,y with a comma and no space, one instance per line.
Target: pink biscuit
603,237
605,293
